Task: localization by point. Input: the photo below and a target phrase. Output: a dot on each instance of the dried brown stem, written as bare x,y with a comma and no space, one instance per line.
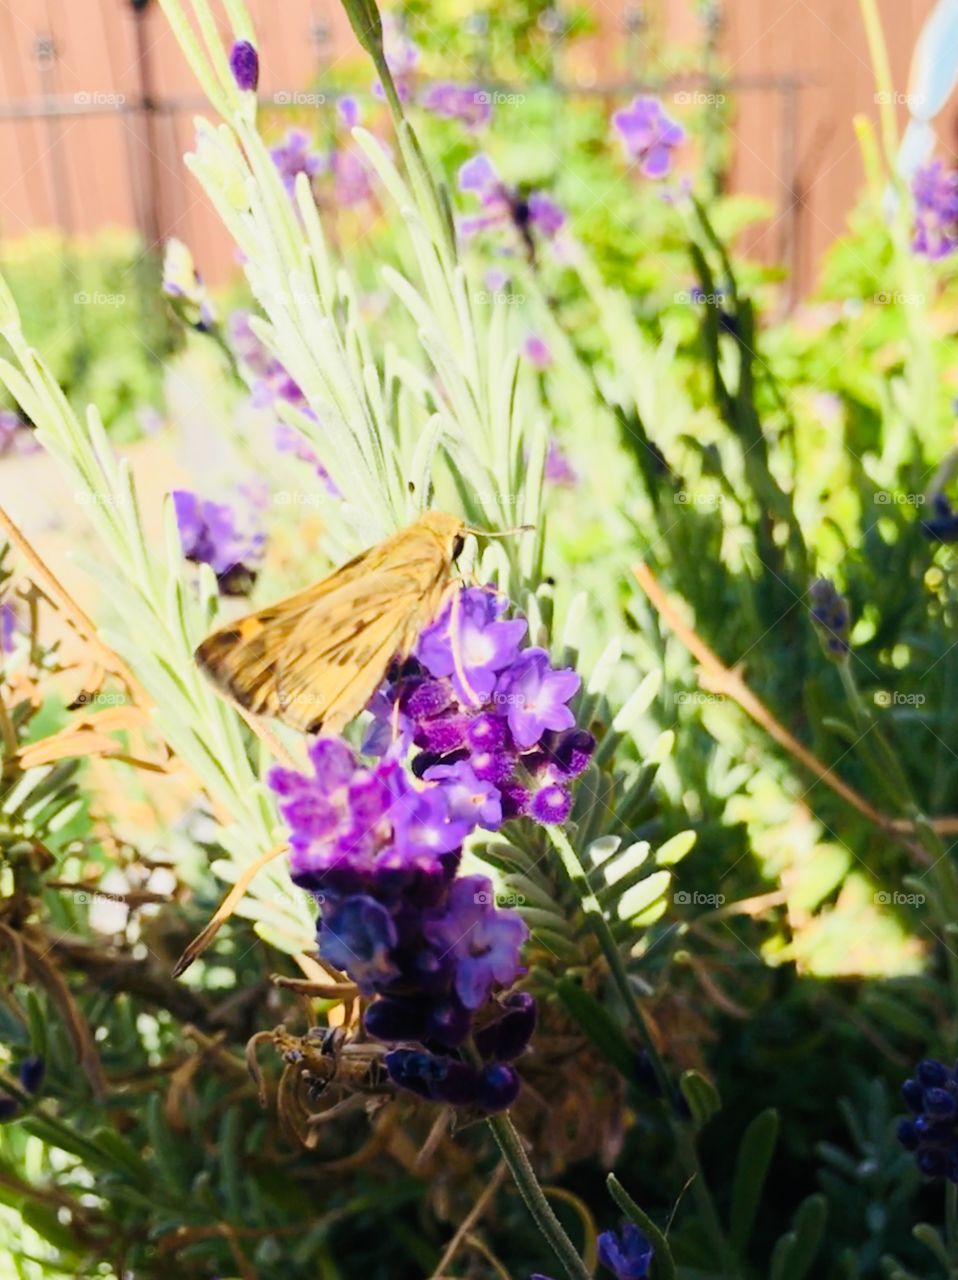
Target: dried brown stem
721,679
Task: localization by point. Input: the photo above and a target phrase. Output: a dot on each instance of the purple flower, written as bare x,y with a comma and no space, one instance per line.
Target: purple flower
402,58
351,185
348,111
484,643
503,205
470,799
536,351
11,622
558,469
16,436
935,190
535,696
648,135
471,106
627,1255
357,935
484,941
294,157
244,64
213,533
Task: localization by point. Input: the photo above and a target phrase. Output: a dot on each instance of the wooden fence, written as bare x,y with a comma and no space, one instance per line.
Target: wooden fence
96,106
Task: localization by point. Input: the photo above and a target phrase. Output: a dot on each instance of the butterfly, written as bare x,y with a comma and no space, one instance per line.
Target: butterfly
315,659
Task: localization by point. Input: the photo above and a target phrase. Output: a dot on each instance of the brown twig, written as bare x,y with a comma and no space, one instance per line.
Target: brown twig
225,910
721,679
81,620
470,1220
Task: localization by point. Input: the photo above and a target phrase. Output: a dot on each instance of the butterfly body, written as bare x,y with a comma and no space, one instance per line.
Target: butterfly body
316,658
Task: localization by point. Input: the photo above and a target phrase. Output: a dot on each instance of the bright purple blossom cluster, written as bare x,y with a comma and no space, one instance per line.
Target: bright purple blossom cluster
217,534
528,213
380,850
648,135
490,719
935,190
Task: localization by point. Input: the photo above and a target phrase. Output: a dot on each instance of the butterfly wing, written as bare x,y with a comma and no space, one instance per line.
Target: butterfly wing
340,652
241,658
315,659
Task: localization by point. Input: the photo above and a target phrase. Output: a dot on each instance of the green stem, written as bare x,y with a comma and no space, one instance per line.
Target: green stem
684,1135
513,1152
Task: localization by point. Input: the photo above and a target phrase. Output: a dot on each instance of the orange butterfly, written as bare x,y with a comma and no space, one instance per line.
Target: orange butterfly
315,659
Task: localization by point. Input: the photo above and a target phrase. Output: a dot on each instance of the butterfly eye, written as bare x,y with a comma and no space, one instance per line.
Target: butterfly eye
458,543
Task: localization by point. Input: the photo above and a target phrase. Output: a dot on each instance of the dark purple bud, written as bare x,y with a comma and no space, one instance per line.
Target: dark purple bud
932,1073
8,1107
940,1104
414,1070
551,806
515,800
932,1162
449,1022
933,1132
498,1087
443,734
428,698
31,1073
496,767
394,1020
459,1085
570,752
907,1135
914,1096
244,63
504,1039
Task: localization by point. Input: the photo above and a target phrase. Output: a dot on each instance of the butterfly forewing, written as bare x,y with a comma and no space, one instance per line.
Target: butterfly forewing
315,659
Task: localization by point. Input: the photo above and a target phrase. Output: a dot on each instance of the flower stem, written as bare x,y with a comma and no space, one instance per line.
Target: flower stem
684,1136
510,1144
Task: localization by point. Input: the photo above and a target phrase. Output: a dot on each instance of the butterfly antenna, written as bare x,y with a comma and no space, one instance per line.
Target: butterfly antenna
499,533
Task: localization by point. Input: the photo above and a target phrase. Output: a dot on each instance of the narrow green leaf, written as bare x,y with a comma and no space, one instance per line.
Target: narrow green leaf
751,1168
599,1025
701,1095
